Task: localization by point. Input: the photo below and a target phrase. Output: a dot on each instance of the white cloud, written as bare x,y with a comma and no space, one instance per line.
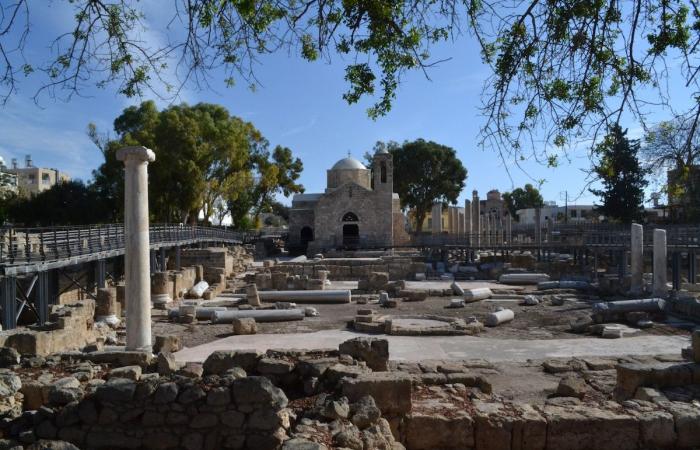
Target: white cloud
301,128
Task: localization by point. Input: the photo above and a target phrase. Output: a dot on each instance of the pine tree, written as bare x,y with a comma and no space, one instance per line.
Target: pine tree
622,177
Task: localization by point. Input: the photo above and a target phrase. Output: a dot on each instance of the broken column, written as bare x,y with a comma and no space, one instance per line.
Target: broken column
160,289
334,296
498,317
252,295
136,246
637,259
660,288
106,307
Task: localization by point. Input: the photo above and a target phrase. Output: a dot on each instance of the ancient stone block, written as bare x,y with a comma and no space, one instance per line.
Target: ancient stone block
430,431
375,352
584,427
391,391
244,326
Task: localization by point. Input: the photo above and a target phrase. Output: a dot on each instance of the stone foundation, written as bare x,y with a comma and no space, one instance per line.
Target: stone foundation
69,327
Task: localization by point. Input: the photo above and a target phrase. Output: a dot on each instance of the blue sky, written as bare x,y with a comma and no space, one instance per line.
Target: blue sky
299,105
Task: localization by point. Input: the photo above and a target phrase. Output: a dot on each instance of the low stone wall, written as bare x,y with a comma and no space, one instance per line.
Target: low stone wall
152,413
496,425
398,268
69,327
352,398
207,257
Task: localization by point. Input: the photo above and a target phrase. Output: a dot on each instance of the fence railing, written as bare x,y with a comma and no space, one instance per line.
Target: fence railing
34,245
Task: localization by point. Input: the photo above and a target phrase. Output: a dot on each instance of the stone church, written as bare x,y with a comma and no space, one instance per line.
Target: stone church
358,209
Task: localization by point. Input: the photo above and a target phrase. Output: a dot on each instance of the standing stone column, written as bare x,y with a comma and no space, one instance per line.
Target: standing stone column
468,219
476,218
454,228
538,228
659,287
637,259
509,231
487,228
437,218
137,274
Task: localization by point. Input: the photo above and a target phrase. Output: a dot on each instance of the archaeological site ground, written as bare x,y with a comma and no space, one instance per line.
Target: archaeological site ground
553,338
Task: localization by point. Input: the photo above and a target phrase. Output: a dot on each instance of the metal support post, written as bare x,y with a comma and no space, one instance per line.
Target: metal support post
8,298
154,262
42,297
676,270
178,265
161,259
692,268
100,274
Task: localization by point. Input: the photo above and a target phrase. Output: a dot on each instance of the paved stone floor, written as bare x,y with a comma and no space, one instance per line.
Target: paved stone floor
410,348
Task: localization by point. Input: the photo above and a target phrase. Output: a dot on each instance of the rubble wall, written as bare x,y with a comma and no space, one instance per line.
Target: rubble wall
151,413
398,268
70,327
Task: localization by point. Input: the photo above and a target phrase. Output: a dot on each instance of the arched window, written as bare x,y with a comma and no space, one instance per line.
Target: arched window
383,172
350,217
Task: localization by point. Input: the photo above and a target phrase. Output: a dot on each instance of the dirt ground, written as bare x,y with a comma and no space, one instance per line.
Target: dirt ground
543,321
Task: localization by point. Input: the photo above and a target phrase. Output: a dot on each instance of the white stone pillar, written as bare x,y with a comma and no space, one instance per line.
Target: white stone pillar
455,220
137,272
538,227
487,227
637,259
436,215
509,233
476,218
660,289
467,218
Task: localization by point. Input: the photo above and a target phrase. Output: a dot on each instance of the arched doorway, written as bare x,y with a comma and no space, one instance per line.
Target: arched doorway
305,236
351,230
351,235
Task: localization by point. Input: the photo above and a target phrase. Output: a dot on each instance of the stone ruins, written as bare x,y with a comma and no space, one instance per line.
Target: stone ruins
496,338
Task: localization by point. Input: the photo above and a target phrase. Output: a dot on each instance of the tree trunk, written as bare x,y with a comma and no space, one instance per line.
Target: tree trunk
420,218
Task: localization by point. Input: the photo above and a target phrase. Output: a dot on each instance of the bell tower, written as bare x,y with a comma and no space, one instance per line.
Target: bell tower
383,171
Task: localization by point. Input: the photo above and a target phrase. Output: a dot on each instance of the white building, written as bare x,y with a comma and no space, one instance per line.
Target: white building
559,214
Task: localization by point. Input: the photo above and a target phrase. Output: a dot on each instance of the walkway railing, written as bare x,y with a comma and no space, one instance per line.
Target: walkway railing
22,246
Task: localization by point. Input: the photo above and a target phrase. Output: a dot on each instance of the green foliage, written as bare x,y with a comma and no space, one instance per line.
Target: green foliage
622,177
522,198
68,203
277,173
425,173
562,70
206,160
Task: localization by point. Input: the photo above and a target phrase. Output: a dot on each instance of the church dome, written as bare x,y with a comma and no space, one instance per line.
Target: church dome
348,163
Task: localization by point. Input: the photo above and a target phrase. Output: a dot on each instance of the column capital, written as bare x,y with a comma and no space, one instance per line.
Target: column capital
136,153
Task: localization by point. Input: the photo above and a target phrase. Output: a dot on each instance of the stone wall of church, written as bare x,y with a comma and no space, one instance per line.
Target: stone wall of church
298,219
373,209
339,177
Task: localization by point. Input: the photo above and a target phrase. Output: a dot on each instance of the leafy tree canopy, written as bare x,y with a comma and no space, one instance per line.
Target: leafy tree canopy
622,177
521,198
66,203
425,173
562,70
206,160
